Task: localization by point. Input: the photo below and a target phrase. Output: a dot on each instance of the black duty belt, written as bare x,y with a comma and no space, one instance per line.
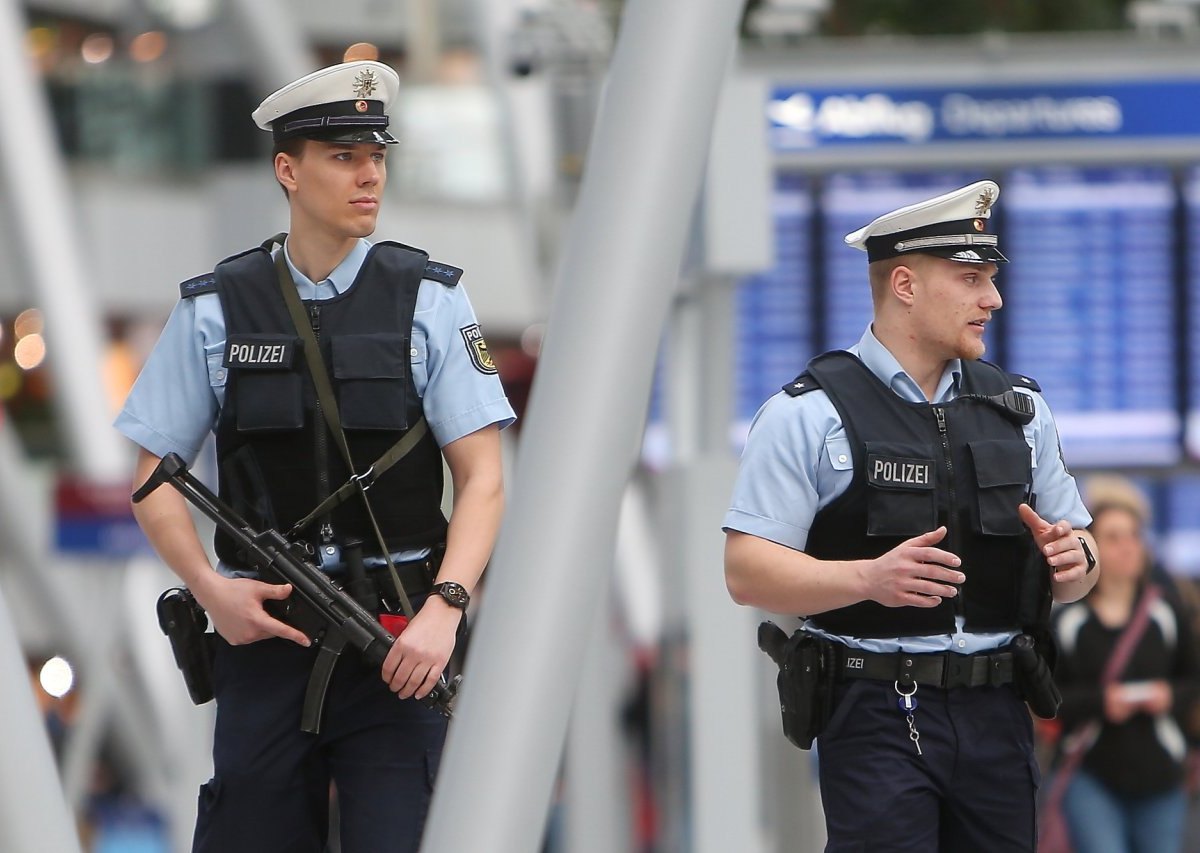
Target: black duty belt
945,669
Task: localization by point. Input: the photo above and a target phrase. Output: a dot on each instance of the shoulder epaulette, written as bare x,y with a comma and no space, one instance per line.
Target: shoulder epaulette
206,283
444,273
802,384
1020,380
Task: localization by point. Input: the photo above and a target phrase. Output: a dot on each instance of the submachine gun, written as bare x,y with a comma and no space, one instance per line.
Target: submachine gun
329,616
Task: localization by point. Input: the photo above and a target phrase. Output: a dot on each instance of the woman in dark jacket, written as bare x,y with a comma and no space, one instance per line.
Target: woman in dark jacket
1128,794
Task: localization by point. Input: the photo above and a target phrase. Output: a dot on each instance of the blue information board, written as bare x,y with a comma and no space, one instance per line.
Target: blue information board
802,118
1089,299
1191,195
1180,545
774,309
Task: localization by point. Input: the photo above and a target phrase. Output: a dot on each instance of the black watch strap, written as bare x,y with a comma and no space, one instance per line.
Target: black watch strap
1087,552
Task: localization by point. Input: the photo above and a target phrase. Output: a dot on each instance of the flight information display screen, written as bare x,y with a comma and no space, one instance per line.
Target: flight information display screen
1090,305
1191,197
775,323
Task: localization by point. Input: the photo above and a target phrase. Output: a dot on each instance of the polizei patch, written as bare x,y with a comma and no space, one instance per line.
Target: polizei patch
266,352
477,348
899,473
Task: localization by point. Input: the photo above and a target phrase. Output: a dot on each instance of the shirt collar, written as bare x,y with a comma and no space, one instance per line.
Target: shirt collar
343,274
880,361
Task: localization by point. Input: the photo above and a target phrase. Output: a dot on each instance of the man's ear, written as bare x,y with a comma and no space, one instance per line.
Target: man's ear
902,282
285,171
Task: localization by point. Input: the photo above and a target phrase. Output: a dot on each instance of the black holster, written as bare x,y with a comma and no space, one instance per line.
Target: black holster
806,676
184,622
1034,680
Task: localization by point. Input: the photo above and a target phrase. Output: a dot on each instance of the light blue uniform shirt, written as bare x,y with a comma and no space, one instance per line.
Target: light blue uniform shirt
177,398
798,459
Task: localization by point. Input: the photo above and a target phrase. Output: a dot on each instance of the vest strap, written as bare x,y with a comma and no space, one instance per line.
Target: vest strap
320,377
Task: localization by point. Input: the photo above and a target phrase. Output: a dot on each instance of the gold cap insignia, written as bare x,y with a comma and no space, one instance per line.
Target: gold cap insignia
984,203
365,83
978,223
361,106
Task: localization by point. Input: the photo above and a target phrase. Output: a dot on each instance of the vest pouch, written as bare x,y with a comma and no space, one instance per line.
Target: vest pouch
370,372
901,489
1003,472
267,386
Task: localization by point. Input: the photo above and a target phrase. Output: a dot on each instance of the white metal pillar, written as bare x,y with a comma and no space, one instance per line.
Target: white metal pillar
280,51
33,814
583,431
43,215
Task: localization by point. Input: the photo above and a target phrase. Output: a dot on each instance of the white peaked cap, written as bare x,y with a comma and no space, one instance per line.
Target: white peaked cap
952,226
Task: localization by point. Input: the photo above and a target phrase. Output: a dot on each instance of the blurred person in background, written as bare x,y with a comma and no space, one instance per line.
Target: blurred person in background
1126,793
397,335
886,495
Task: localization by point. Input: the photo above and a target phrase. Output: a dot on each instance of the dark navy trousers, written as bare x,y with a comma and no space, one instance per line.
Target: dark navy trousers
270,791
973,789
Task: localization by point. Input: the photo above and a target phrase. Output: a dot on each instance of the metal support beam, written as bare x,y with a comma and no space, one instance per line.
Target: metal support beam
584,426
280,52
41,203
33,813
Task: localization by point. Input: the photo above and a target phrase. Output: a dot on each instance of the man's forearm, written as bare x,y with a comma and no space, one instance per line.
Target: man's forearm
773,577
165,519
474,524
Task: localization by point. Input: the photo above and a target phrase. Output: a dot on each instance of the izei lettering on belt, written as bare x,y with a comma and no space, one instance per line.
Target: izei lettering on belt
892,471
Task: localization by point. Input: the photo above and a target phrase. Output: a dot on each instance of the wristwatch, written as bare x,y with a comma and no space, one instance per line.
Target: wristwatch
1087,552
455,593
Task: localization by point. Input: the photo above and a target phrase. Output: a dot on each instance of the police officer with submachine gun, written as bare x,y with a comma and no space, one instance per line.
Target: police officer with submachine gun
337,376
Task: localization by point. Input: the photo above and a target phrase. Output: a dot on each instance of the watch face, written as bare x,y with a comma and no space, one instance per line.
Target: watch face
454,593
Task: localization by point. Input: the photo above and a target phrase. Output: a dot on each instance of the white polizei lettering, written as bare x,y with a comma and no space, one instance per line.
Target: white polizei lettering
908,473
257,353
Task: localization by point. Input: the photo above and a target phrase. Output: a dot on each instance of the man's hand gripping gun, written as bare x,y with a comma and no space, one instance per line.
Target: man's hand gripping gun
339,619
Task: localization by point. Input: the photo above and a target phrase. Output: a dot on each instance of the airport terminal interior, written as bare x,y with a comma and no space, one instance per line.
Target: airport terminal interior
129,164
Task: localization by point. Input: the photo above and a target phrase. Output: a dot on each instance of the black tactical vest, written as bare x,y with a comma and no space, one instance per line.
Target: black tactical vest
964,464
275,455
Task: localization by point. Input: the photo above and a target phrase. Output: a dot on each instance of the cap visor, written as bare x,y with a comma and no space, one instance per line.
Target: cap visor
969,255
375,137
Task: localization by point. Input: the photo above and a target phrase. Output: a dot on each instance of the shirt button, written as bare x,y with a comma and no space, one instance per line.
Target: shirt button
962,643
221,375
842,458
413,352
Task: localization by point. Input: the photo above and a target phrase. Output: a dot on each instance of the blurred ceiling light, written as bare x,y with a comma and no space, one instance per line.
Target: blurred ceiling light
28,322
11,380
96,48
29,352
57,678
184,14
148,47
39,41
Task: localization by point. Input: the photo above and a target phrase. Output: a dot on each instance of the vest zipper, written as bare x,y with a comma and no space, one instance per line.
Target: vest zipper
319,429
951,541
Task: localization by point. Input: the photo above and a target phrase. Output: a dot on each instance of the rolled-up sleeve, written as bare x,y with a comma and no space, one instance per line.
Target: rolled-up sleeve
172,406
775,495
1057,493
462,391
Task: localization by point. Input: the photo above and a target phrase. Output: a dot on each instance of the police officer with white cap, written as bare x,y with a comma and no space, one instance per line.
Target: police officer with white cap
886,495
401,344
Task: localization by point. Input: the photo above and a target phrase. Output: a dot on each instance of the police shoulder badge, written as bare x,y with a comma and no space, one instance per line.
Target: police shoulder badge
477,348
